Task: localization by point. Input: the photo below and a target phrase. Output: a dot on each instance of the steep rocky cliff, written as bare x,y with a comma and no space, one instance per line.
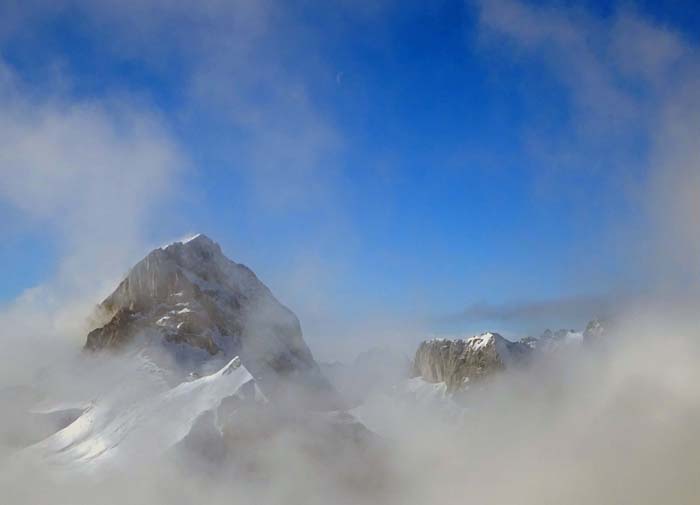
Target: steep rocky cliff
461,361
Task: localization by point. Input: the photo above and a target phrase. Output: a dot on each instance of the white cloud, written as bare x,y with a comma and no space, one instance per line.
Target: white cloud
90,174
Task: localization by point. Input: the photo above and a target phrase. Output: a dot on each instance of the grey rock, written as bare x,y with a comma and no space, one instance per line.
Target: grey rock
464,361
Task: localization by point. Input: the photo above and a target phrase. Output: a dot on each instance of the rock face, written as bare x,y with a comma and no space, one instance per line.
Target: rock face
456,362
194,301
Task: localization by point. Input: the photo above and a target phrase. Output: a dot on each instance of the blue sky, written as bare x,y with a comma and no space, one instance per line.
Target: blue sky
371,161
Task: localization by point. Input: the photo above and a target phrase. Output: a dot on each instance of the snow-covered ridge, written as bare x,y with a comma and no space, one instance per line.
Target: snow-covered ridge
191,238
183,240
476,341
481,341
115,430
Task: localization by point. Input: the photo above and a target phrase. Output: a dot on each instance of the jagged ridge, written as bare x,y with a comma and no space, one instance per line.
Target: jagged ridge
456,362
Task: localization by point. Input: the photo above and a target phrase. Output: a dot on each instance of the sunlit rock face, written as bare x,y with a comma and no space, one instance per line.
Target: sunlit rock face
462,361
196,302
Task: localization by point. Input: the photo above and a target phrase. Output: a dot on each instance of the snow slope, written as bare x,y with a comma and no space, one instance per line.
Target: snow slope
115,431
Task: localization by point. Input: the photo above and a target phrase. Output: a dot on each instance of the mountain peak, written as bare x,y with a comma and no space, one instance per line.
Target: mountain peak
484,339
196,236
190,299
465,360
198,241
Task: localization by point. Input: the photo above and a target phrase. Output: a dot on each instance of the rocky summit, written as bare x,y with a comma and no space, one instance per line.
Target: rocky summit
190,299
462,361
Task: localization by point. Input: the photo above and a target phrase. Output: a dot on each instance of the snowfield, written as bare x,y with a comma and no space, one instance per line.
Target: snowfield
116,431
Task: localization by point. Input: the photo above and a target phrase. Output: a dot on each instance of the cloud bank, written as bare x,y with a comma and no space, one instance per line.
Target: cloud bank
572,310
90,174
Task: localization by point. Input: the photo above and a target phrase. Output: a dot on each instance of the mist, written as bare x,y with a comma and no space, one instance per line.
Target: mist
611,422
615,423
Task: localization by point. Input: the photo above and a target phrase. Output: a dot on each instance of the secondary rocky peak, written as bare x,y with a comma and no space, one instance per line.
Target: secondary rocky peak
461,361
